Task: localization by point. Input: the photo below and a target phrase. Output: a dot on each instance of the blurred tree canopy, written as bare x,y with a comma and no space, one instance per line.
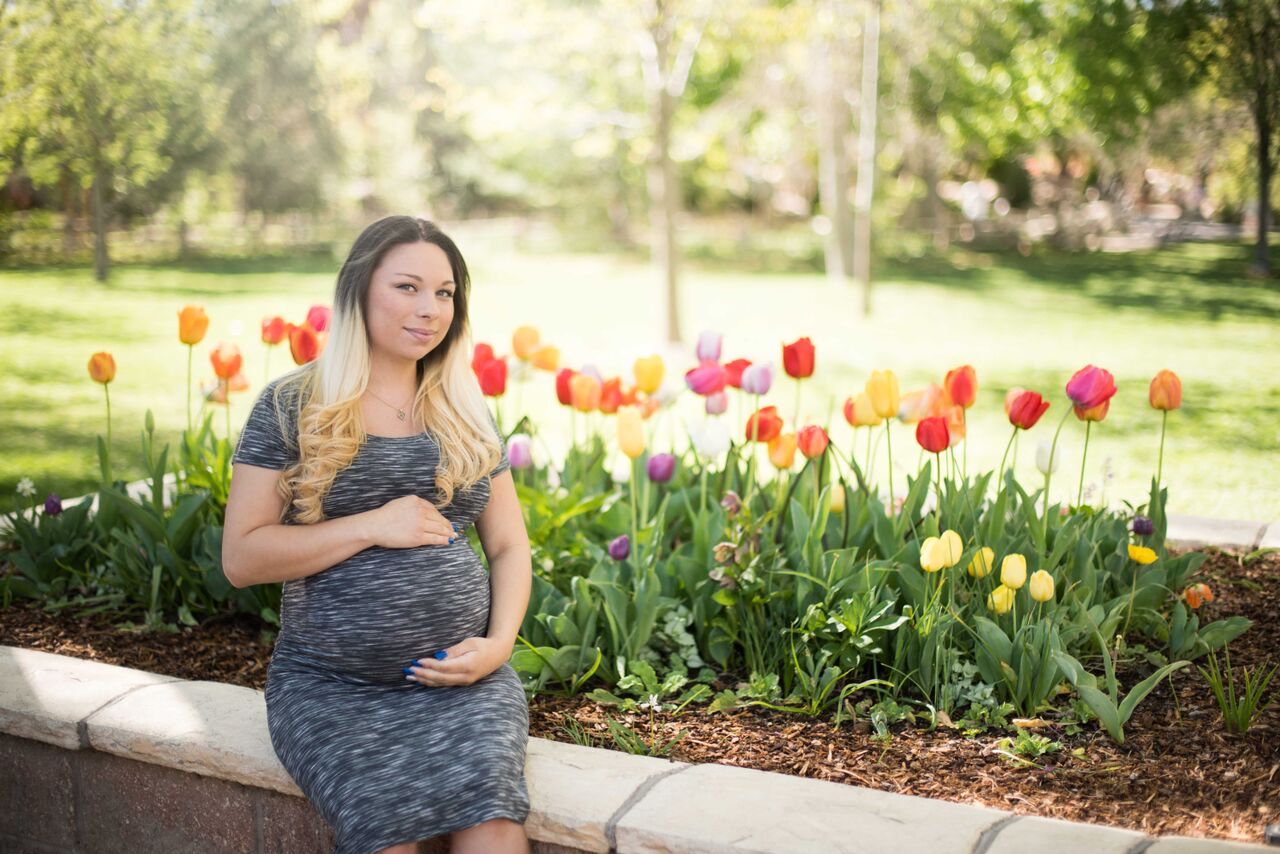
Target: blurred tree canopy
620,117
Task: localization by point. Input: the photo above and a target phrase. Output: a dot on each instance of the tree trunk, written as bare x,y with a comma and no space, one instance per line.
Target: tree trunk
1261,265
867,151
100,259
833,167
662,211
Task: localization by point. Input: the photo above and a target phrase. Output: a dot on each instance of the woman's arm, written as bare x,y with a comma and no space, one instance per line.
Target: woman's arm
506,546
257,549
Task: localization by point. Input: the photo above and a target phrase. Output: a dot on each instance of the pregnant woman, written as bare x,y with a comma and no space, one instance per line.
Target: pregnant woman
389,697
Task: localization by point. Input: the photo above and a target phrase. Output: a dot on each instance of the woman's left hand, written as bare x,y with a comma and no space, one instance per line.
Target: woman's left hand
465,662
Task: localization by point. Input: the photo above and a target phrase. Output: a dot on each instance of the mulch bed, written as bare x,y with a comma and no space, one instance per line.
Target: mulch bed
1178,771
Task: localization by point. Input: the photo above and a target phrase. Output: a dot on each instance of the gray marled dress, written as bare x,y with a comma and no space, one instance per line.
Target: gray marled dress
383,759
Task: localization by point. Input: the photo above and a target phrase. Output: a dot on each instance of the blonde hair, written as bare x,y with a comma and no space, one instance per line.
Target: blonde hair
323,396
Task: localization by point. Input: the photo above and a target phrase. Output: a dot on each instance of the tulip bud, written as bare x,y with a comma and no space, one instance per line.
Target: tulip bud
710,438
1166,391
1143,526
519,451
933,434
53,504
546,358
982,562
1013,571
962,385
584,391
835,502
630,431
1090,387
717,404
102,368
1042,457
648,372
1000,600
709,345
782,450
812,441
764,424
192,324
864,414
149,422
797,358
931,554
1041,586
524,341
620,547
882,391
707,378
661,467
758,379
318,317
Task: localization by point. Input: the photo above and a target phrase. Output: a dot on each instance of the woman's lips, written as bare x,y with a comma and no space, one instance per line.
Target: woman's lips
421,336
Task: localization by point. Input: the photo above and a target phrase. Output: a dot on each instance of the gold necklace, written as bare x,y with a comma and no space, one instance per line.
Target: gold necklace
400,413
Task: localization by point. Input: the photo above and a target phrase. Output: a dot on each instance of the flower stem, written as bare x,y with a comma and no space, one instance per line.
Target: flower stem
1080,490
1164,420
190,351
1048,470
1005,457
889,451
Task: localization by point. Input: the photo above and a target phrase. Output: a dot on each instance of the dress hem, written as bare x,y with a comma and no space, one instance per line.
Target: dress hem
502,812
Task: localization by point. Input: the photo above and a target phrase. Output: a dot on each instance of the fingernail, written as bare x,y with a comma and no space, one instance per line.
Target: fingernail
439,655
406,671
452,540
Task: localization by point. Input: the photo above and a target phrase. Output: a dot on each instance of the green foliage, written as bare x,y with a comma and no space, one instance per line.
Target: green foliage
1239,710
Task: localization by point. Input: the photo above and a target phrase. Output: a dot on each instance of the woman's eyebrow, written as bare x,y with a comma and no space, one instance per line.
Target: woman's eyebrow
419,278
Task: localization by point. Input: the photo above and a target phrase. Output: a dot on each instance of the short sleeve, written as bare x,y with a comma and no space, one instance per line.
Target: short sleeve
261,441
503,463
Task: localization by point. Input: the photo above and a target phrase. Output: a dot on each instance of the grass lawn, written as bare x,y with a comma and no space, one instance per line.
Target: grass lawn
1020,321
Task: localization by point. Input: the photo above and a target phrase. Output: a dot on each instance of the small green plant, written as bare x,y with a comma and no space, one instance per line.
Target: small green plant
634,742
983,716
1025,747
1239,711
578,733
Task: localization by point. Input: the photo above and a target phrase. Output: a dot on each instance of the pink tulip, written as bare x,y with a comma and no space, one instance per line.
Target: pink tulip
1090,387
717,403
709,346
708,378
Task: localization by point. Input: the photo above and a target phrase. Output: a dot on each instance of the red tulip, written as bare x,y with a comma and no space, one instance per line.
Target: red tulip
481,354
764,425
493,377
226,360
933,435
812,441
563,393
848,410
1090,387
797,358
708,378
274,330
304,343
733,371
962,385
318,316
1026,410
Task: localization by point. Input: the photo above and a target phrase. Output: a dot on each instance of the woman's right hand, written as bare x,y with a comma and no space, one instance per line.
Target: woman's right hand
407,522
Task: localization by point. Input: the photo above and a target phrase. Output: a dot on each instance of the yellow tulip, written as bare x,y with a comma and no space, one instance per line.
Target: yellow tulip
1000,600
782,450
882,389
980,566
630,431
864,414
648,371
547,358
932,554
524,341
835,501
1041,586
1142,554
585,391
1013,571
953,547
192,324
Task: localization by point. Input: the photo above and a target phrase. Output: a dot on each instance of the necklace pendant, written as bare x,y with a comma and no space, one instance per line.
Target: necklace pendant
400,414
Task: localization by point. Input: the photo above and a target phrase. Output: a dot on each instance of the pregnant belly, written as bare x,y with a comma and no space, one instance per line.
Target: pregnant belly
370,615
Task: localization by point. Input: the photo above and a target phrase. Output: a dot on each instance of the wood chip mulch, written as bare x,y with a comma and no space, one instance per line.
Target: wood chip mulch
1178,771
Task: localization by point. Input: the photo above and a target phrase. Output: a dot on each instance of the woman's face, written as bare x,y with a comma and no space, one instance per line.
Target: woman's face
410,304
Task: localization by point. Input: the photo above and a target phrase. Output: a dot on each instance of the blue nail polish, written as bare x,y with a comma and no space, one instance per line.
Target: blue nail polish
452,540
439,655
406,671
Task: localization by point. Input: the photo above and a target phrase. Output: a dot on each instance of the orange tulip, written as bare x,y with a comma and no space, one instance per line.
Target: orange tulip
304,343
1166,391
611,396
782,450
546,358
1196,595
962,385
274,330
585,391
956,424
102,368
226,360
192,324
922,403
524,341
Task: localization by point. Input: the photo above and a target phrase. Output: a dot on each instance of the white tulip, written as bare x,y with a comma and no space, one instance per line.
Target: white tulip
710,437
1042,456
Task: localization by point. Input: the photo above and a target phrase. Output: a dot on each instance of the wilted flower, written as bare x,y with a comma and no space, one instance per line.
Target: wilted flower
53,504
620,547
731,503
724,551
724,579
1143,526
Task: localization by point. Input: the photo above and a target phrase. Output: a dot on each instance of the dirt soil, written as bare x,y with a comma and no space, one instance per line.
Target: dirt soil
1178,771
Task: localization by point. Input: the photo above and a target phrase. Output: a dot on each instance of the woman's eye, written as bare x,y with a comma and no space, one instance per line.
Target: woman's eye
446,292
406,285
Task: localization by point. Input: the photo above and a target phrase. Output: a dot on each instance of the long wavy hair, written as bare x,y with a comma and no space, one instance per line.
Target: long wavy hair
322,396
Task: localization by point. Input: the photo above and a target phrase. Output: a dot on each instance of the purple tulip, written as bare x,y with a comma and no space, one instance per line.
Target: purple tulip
1143,527
707,378
758,379
519,451
53,504
620,547
717,403
661,467
709,346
